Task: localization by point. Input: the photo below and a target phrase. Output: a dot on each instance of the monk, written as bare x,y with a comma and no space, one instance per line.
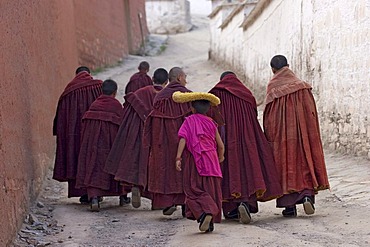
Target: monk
203,150
73,103
99,128
128,158
139,79
249,171
291,125
161,127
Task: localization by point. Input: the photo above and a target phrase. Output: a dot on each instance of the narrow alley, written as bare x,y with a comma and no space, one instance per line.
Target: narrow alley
342,215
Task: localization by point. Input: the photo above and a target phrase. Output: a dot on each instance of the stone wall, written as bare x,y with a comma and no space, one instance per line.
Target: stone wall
327,45
168,16
41,47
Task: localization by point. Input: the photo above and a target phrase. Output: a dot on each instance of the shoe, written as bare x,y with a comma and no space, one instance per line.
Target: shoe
136,197
232,215
205,222
211,227
124,200
183,210
244,214
169,210
84,199
308,206
95,205
290,212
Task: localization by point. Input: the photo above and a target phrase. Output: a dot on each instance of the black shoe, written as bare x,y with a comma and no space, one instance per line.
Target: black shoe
244,214
169,210
308,206
183,210
94,205
124,200
205,222
84,199
290,212
232,214
211,227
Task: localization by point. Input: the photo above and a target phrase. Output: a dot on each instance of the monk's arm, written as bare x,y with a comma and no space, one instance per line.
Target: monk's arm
180,149
220,147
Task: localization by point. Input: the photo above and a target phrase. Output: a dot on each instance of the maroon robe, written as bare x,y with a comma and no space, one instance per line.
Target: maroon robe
128,158
291,125
161,127
138,80
73,103
99,129
249,171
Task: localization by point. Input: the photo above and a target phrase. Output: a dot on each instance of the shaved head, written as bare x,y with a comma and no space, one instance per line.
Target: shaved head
175,72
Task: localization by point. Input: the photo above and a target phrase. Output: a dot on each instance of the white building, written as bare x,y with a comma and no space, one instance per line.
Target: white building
327,44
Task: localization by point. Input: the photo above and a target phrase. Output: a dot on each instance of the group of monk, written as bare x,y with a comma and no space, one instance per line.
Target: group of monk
158,147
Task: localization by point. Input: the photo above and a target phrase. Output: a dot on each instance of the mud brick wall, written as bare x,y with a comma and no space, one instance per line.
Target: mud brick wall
42,43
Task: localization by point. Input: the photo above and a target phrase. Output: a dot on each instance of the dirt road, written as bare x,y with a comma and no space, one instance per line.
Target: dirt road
342,215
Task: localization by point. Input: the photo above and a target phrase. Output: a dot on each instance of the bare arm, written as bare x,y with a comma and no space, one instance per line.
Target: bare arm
220,147
180,149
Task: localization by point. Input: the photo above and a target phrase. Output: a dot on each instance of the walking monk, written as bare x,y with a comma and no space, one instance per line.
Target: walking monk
161,128
99,129
139,79
128,158
249,172
73,103
203,154
291,125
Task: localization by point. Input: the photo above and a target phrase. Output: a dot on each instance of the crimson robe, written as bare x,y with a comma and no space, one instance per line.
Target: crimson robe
161,127
138,80
249,171
73,103
128,158
291,125
99,129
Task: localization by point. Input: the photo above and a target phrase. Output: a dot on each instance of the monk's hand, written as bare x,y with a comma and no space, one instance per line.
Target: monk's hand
178,165
221,159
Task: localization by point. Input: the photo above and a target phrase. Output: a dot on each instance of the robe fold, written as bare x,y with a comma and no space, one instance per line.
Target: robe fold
73,103
128,158
249,171
160,134
99,129
138,80
291,126
201,169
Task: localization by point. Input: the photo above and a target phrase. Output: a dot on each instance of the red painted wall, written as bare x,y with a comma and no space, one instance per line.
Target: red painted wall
42,43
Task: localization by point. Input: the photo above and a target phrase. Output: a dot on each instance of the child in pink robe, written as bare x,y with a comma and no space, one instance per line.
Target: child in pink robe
202,177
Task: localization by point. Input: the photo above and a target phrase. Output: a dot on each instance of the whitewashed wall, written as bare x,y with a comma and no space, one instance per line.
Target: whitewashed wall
327,45
168,17
200,7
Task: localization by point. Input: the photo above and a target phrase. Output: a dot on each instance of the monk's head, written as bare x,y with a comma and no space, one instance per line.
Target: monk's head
278,62
109,87
226,73
160,76
82,68
200,106
177,74
143,67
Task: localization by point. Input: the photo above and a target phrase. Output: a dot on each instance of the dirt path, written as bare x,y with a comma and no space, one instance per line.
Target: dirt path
342,215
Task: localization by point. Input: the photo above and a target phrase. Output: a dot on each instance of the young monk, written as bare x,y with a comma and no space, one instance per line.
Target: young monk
139,79
203,154
99,129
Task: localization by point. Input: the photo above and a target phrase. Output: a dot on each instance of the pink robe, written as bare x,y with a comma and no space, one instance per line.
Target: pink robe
199,131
